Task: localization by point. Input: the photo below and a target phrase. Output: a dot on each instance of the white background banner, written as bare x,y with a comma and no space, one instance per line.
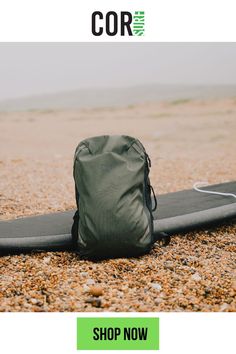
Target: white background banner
180,333
70,21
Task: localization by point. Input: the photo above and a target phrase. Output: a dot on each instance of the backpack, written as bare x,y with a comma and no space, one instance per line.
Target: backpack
113,196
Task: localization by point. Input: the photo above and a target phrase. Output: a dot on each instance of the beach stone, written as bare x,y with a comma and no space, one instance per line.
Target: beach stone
156,286
90,282
84,274
192,259
158,301
169,265
47,260
85,288
96,291
196,277
208,290
95,302
185,262
224,307
34,301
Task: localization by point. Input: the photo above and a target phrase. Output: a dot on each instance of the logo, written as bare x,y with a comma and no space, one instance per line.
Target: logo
124,23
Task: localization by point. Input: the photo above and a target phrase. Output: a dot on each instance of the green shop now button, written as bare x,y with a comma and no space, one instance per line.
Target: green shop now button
117,333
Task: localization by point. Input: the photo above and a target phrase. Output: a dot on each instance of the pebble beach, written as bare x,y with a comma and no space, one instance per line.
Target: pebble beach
188,141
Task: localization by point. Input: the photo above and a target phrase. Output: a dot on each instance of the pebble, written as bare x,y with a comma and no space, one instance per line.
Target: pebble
169,265
208,290
34,301
86,288
158,301
96,291
90,282
47,260
84,274
224,307
156,286
196,277
192,259
94,301
185,262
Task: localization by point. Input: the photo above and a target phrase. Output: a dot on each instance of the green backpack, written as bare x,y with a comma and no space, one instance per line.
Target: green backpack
113,195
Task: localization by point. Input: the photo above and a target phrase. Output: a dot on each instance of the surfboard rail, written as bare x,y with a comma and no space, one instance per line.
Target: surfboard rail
176,213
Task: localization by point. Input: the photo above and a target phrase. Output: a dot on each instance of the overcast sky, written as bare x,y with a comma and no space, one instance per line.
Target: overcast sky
28,69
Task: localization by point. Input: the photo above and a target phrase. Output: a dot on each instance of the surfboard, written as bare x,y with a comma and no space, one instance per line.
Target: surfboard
176,213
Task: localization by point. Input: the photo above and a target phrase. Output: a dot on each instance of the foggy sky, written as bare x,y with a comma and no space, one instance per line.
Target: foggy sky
29,69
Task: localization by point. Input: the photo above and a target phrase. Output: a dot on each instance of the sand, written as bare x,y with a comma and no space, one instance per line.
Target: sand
187,140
